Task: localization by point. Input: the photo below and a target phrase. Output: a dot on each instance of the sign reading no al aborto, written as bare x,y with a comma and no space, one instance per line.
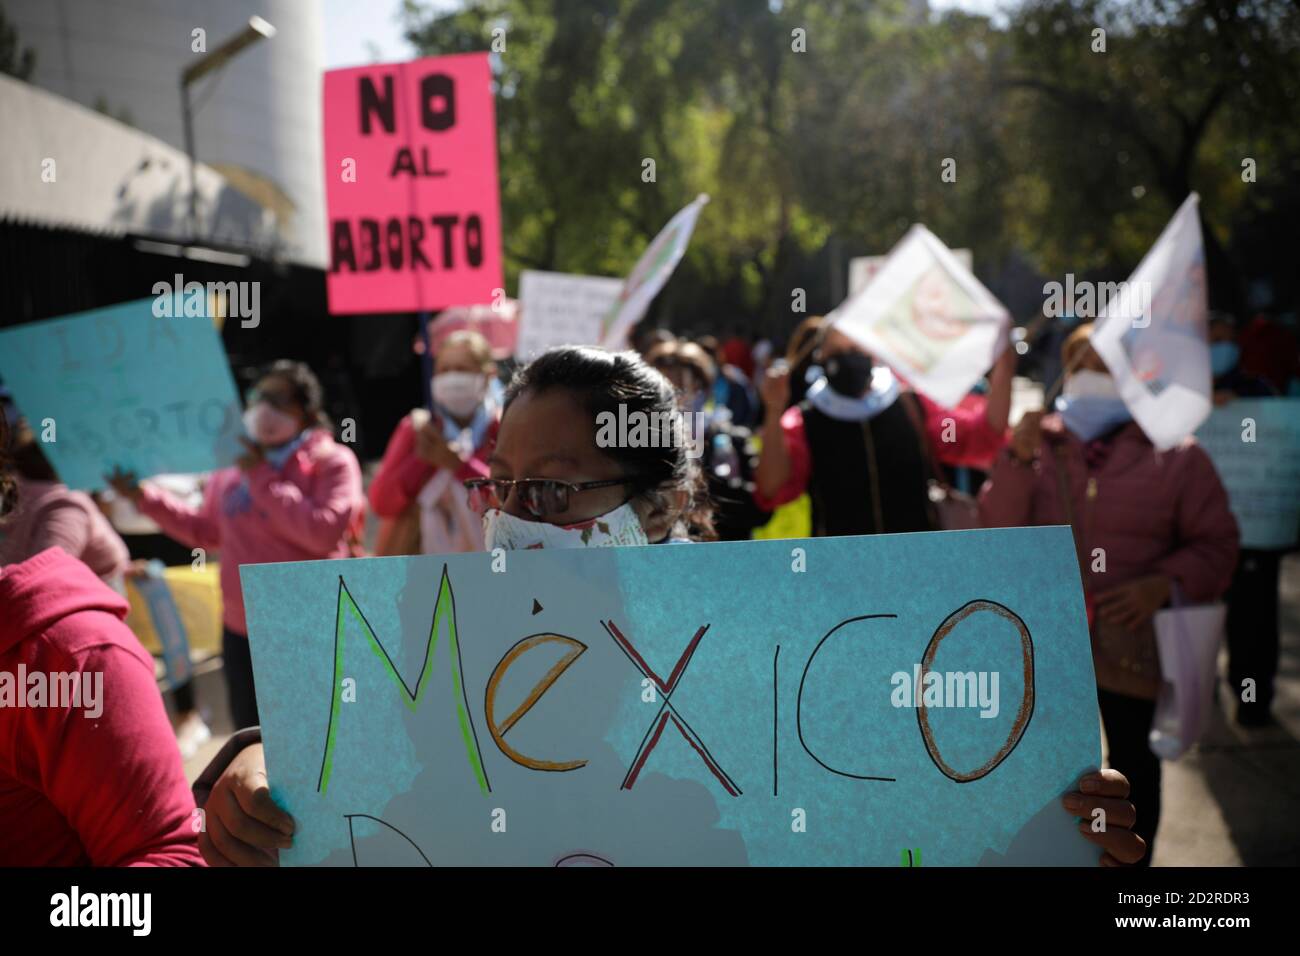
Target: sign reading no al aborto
411,183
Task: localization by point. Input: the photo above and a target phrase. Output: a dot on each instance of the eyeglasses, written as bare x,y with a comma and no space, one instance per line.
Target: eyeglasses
541,496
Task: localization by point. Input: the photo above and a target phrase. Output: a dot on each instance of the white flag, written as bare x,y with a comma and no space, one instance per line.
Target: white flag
862,269
926,316
1152,334
650,274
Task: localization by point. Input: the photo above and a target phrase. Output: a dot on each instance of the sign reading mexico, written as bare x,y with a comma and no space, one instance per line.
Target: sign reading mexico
411,184
927,317
828,701
123,387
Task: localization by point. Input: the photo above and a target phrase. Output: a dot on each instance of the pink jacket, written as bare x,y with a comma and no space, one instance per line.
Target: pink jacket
960,435
1151,512
403,473
52,515
302,512
92,776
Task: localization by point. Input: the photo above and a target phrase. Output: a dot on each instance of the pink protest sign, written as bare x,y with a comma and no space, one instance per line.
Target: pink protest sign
411,183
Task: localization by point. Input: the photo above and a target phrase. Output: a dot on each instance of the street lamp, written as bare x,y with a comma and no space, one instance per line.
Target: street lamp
257,29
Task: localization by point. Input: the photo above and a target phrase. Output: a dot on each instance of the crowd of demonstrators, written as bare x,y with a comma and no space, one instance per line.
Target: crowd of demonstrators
294,495
1150,528
550,482
418,491
856,443
733,388
485,466
728,452
93,779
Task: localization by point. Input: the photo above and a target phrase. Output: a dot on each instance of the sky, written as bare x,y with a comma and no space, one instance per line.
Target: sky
368,31
363,31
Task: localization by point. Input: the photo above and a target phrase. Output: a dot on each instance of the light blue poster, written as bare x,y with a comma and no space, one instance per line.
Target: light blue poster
1255,445
122,387
888,700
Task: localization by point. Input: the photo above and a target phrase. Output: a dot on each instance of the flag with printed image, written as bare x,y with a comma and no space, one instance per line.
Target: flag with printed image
650,274
928,318
1152,334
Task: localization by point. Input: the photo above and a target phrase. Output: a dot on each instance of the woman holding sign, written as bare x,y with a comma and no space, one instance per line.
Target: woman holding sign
1148,526
553,484
295,495
418,490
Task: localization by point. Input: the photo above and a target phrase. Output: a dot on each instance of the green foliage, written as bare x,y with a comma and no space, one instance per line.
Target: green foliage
1072,159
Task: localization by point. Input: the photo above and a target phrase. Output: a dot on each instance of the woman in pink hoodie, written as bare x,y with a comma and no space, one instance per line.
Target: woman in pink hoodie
89,770
1150,527
294,496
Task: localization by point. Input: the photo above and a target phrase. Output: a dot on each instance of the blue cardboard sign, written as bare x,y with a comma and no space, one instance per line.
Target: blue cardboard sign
830,701
1255,445
122,387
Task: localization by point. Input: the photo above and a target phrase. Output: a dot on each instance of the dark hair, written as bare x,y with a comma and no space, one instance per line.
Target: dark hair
306,389
602,381
8,487
683,355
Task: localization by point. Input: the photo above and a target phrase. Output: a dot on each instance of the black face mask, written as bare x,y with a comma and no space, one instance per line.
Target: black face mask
849,373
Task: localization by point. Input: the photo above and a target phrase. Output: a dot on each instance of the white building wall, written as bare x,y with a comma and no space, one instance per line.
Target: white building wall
261,112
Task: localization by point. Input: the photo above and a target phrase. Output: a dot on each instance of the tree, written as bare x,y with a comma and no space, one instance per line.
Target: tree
820,124
1123,135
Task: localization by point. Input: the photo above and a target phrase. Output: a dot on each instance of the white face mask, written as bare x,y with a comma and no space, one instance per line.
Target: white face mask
618,528
459,392
269,426
1089,384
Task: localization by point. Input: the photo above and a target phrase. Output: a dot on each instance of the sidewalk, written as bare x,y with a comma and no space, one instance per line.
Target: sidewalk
1235,801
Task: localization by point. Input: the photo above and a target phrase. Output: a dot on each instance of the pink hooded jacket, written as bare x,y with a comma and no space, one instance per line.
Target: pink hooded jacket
89,770
301,512
1152,512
